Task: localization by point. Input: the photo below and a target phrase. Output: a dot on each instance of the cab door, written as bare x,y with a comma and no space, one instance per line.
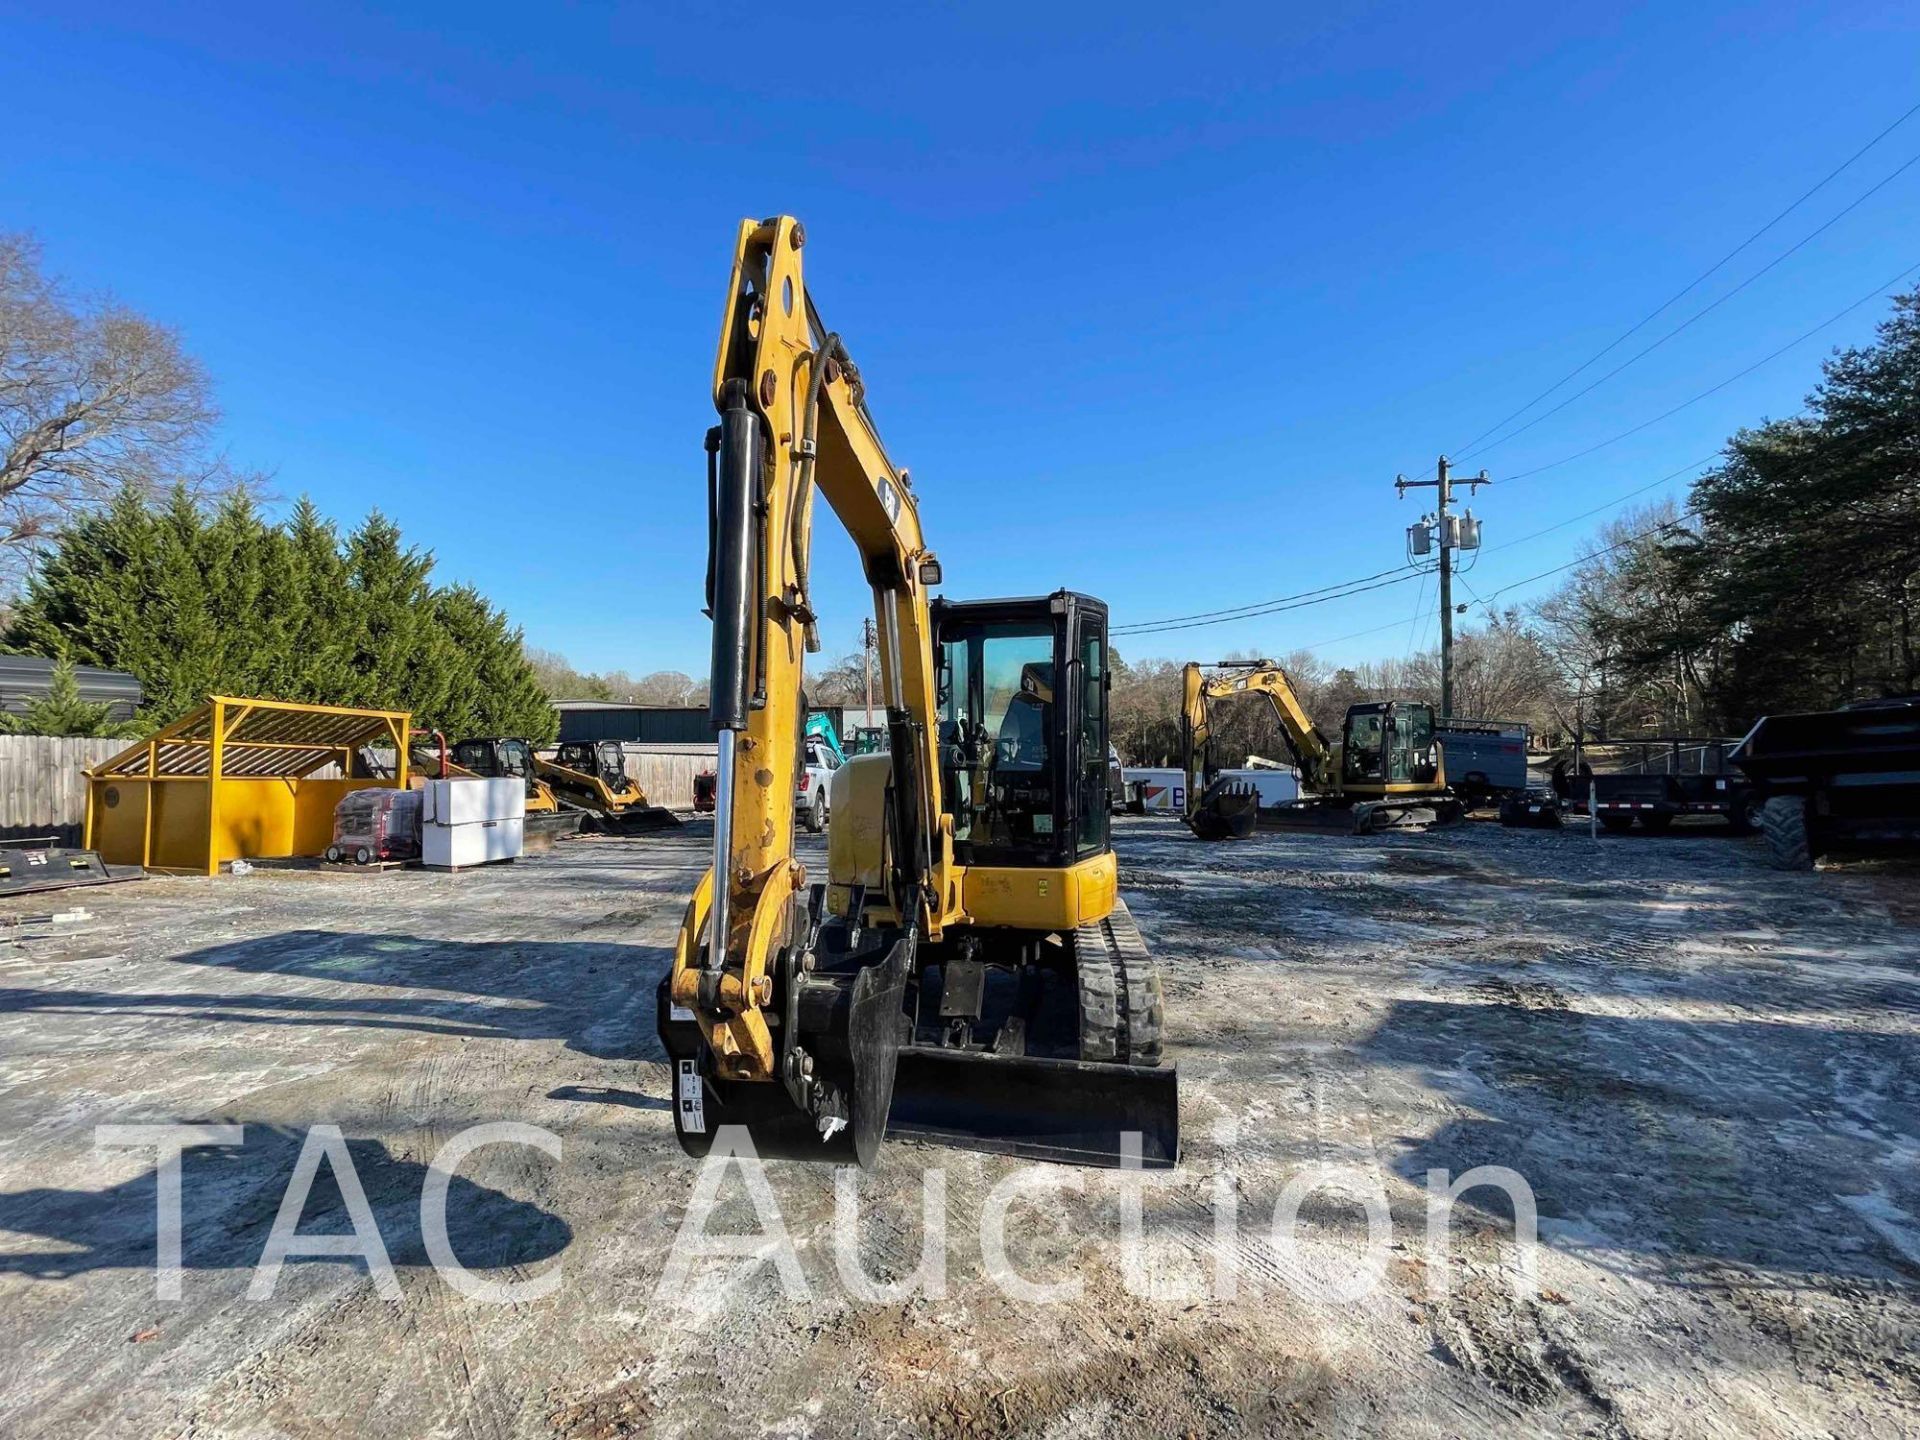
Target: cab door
1090,685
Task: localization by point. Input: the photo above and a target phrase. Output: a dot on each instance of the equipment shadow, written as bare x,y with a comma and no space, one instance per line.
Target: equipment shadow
231,1194
1773,1144
597,998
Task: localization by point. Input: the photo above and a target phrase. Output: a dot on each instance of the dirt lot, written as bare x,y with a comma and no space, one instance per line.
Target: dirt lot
1707,1072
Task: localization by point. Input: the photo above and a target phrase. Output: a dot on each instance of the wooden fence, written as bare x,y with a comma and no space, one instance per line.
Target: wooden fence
43,790
665,771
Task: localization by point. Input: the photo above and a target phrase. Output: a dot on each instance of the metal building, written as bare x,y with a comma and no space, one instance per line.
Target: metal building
27,678
646,724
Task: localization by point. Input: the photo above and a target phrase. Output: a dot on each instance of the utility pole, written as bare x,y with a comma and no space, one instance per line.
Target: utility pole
866,662
1450,532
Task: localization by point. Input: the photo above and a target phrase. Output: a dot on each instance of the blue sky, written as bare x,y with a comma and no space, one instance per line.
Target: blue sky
1152,308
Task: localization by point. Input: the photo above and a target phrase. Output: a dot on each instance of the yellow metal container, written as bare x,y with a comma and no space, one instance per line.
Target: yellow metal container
236,780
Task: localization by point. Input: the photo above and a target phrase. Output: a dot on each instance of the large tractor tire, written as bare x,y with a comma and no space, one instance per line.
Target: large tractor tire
1789,842
1657,824
1616,824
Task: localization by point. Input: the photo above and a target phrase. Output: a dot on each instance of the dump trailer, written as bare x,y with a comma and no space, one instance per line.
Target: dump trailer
967,973
1836,779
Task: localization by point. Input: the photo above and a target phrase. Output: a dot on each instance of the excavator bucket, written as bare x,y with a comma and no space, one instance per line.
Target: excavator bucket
1227,810
1074,1112
642,820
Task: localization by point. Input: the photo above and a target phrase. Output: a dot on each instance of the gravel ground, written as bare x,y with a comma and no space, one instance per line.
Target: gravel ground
1708,1074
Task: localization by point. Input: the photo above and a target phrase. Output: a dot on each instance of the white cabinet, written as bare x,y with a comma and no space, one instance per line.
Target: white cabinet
471,822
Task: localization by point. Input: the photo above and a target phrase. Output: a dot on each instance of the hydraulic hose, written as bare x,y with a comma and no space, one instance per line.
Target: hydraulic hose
829,352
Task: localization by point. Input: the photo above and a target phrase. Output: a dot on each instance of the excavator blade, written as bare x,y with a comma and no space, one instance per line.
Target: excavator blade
1371,817
1074,1112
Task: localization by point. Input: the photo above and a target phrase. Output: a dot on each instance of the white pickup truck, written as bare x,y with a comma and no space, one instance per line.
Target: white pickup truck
810,787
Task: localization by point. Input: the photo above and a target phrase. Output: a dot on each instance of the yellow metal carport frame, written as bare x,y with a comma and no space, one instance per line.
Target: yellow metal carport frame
232,739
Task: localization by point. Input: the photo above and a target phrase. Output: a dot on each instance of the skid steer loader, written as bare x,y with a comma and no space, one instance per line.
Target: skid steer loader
590,776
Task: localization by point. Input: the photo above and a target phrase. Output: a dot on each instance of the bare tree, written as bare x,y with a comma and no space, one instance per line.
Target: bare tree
93,398
842,682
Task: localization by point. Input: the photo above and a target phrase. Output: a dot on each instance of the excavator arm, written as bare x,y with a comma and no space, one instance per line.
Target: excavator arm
793,422
1202,686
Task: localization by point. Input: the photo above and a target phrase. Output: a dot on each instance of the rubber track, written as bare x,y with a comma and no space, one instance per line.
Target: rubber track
1121,1007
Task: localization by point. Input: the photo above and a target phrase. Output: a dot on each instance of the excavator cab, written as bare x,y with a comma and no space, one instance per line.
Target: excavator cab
1023,757
1388,743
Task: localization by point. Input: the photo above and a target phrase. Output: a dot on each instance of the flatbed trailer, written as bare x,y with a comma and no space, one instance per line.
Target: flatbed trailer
1664,778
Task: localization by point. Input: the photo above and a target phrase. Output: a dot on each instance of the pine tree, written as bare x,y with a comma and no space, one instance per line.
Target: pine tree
225,602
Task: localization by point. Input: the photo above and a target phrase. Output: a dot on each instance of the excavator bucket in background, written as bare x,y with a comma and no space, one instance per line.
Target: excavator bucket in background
1226,810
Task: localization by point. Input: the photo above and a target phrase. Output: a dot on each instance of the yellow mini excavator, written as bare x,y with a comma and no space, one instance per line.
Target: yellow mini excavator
967,973
1385,772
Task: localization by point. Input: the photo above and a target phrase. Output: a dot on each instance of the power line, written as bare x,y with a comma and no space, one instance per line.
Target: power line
1379,584
1419,613
1608,505
1699,314
1688,514
1354,635
1238,612
1487,600
1801,339
1581,560
1475,593
1694,283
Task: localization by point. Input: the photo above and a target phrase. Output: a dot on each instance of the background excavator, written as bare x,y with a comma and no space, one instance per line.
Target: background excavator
1385,772
591,776
967,973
